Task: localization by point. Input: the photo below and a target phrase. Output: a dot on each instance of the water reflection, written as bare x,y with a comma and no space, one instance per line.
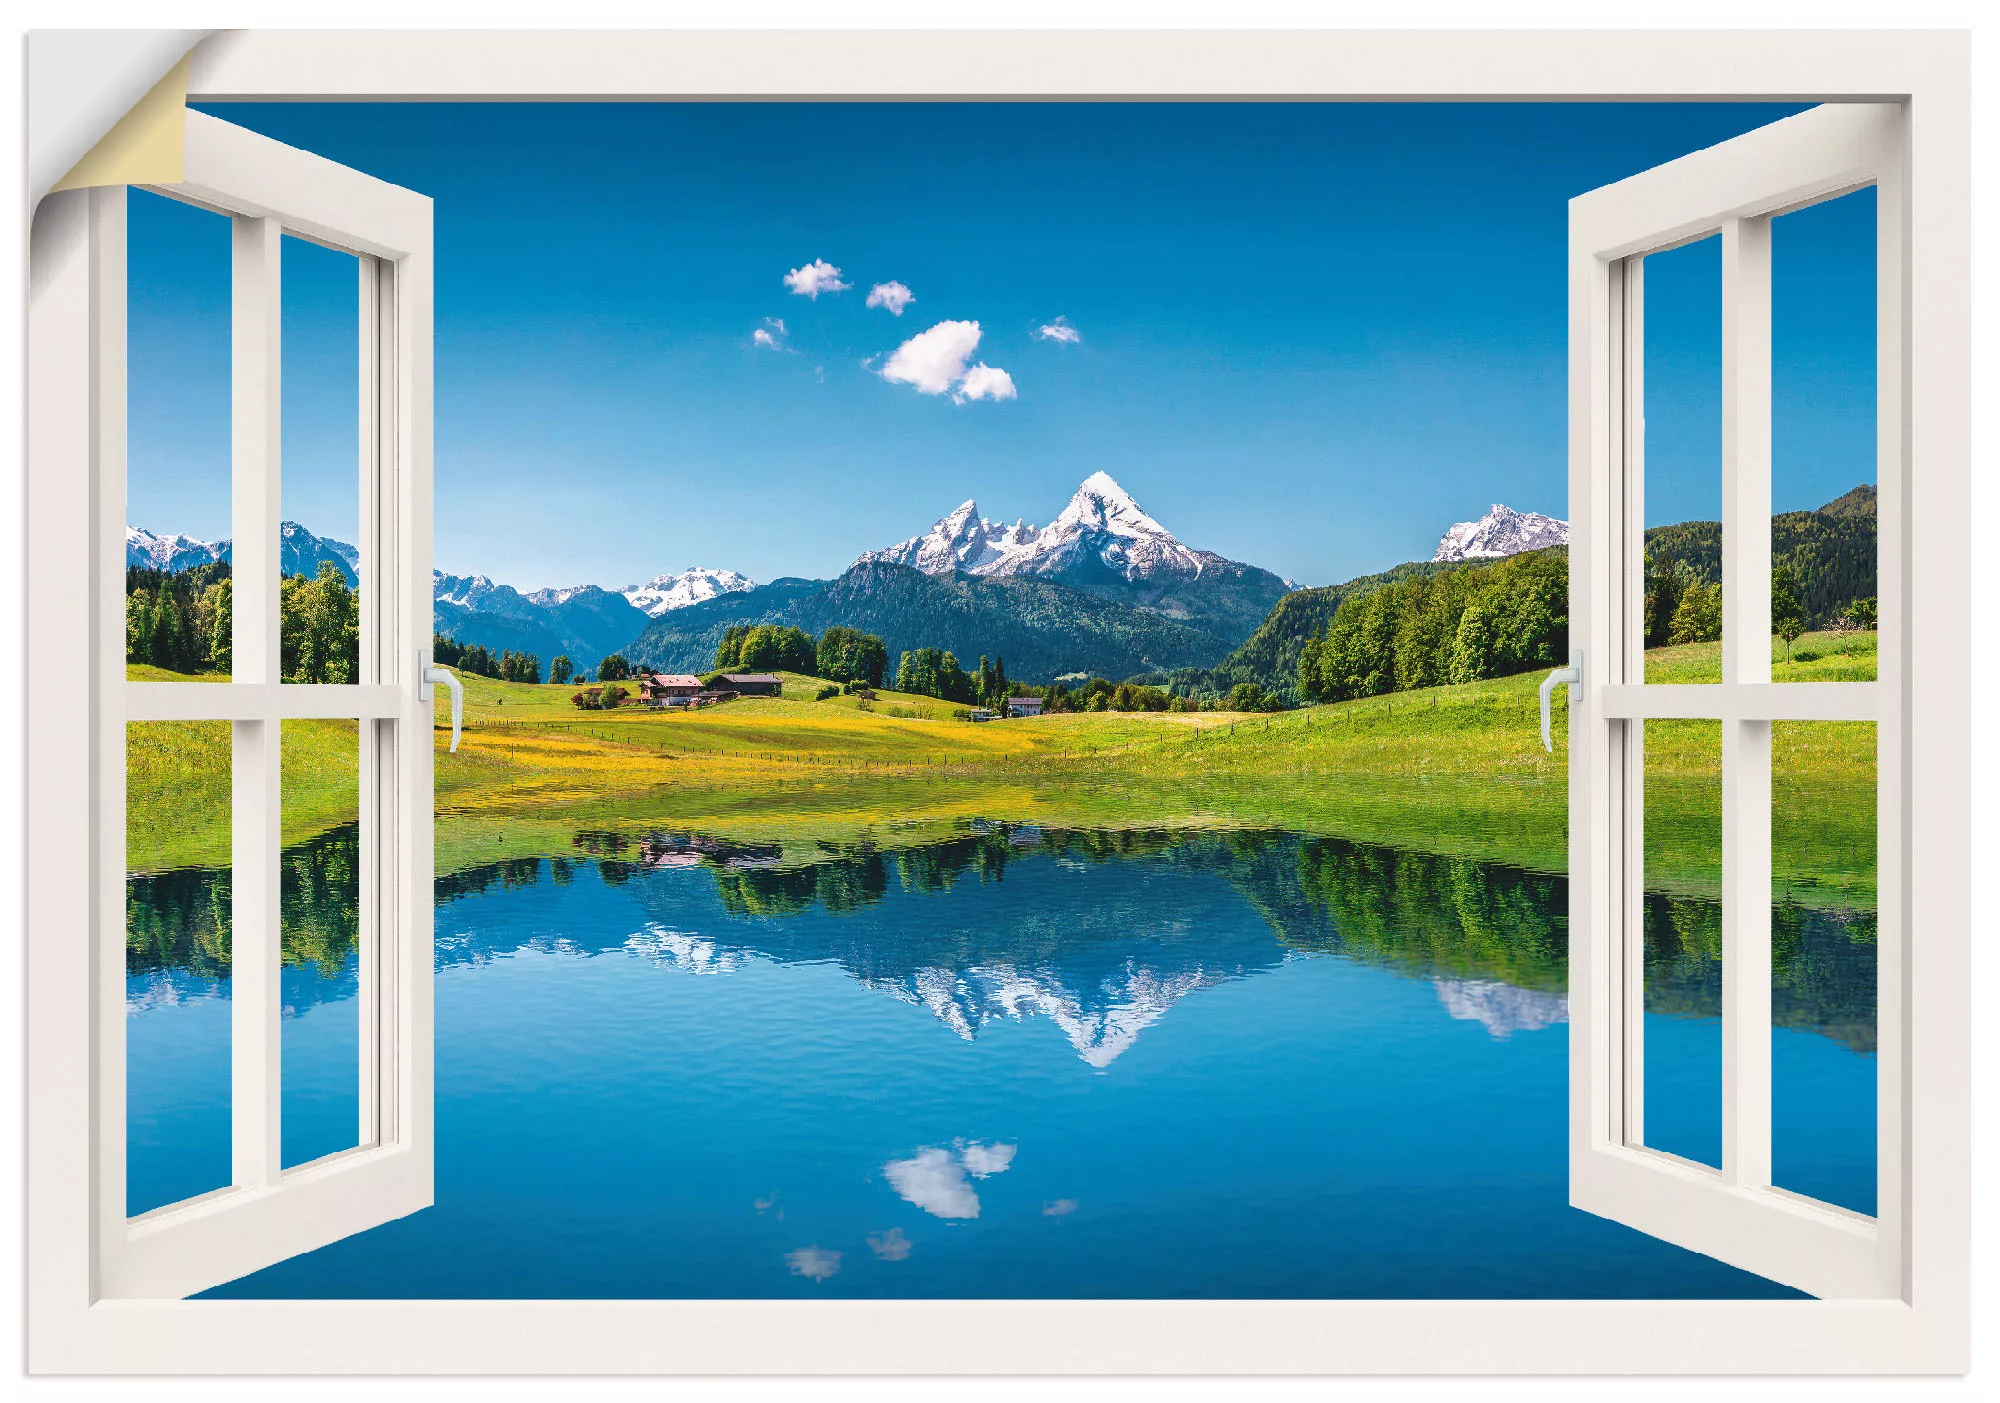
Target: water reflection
1492,940
177,927
1246,1064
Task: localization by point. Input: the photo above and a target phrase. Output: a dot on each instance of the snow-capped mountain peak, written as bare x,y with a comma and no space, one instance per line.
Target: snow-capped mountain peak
664,593
1502,531
299,552
1102,521
174,553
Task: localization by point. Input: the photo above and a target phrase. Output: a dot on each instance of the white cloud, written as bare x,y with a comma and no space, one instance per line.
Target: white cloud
934,360
1059,330
985,381
816,277
771,334
892,295
934,1179
891,1246
984,1161
1061,1208
814,1262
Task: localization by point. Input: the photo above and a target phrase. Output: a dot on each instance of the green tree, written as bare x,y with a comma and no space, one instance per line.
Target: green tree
561,669
849,655
319,628
1862,612
1698,616
165,642
217,600
930,673
614,668
139,626
1246,696
729,652
1788,617
1472,645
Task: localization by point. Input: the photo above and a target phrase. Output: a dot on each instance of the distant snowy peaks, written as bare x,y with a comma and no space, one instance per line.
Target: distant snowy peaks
149,551
1502,531
664,593
962,540
299,551
1102,521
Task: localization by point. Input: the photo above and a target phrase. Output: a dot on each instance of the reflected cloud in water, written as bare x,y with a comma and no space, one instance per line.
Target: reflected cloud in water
890,1246
814,1263
938,1180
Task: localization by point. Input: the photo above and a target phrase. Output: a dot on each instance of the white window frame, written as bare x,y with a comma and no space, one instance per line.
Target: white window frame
267,1212
1732,1212
72,1328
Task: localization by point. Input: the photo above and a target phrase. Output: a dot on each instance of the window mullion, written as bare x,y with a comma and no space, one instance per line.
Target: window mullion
1746,742
1627,774
255,938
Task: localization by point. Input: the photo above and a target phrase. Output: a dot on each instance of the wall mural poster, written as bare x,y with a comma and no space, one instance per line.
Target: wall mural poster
1001,754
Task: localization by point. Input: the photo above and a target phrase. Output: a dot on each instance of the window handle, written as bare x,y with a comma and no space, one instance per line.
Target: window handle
429,673
1571,676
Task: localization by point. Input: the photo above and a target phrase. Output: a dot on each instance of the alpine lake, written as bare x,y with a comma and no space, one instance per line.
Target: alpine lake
1013,1061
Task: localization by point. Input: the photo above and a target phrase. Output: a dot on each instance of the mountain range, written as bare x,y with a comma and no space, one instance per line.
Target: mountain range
1102,543
299,552
664,593
1501,532
1104,589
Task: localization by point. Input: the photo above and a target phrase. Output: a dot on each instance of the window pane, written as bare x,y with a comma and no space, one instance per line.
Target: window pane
1823,960
1683,932
1682,608
319,884
177,892
177,441
1823,422
319,558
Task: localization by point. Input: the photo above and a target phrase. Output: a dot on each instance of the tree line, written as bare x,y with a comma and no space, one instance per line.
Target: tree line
183,621
840,653
509,666
1426,631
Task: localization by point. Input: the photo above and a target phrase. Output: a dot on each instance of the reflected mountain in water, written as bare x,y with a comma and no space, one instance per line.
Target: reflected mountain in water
1099,932
1501,1008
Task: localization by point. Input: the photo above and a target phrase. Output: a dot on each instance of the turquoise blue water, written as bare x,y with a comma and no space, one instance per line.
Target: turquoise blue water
1020,1064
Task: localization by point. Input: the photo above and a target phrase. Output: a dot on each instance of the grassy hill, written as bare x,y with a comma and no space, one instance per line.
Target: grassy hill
1452,770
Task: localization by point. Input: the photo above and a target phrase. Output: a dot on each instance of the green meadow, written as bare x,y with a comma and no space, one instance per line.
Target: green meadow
1452,770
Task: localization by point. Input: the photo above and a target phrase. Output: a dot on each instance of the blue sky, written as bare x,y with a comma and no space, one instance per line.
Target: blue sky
1311,335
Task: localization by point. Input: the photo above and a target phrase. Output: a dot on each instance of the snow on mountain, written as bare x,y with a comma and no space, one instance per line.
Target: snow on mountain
1100,1023
476,592
299,552
1502,531
1504,1009
1101,522
173,553
664,593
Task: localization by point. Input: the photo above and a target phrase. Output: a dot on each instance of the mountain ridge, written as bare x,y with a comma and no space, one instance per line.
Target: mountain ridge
1501,532
1102,543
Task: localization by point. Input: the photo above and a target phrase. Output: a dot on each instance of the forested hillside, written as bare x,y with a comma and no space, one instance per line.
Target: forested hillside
1830,554
1043,629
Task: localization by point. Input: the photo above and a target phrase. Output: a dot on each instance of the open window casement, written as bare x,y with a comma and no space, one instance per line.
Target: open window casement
103,1287
269,1211
1732,1212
